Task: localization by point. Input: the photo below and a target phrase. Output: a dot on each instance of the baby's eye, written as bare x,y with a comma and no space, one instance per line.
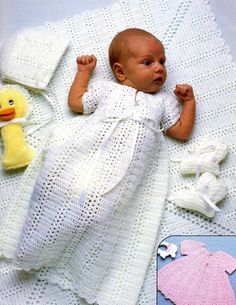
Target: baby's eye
162,61
11,102
147,62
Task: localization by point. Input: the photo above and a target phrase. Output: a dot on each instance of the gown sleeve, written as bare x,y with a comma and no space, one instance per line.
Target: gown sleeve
91,98
190,246
228,262
172,110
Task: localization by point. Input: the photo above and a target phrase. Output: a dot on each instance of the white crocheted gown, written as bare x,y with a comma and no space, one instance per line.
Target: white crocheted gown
86,184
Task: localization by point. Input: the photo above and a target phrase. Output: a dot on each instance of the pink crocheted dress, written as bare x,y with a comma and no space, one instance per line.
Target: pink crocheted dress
199,278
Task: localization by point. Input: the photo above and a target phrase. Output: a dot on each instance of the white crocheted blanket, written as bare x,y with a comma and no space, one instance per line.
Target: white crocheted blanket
196,54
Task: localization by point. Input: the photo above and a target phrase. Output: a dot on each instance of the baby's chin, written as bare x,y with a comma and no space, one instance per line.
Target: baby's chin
152,91
146,89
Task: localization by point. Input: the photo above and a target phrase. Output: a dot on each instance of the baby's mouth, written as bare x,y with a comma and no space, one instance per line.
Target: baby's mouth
158,79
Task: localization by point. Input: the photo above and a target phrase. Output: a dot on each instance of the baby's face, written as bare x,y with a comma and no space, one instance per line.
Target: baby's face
144,64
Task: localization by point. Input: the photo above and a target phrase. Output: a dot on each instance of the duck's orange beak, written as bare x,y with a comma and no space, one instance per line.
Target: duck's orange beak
7,114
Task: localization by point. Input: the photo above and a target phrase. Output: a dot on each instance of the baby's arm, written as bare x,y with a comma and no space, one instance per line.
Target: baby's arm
183,128
86,64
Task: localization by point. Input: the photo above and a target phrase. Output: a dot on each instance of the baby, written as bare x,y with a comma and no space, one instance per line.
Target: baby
85,188
137,59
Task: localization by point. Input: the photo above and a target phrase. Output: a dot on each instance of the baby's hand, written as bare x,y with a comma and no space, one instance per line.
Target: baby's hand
184,92
86,63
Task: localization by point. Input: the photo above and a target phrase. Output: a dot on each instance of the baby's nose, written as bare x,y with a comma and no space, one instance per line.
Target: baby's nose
158,67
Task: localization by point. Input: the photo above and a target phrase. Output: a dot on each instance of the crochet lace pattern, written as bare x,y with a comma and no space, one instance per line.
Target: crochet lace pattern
198,278
81,211
182,26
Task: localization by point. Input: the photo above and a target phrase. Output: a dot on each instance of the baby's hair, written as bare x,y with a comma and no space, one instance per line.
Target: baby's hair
121,42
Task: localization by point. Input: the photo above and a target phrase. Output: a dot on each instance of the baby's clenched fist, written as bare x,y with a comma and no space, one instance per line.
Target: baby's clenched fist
86,63
184,92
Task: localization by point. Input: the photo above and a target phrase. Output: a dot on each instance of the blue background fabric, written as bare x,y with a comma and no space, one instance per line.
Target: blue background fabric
213,243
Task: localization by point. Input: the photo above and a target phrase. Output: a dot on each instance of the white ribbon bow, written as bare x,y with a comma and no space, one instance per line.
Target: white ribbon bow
135,116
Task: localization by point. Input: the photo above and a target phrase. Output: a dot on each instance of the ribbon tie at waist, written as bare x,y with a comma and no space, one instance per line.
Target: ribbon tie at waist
115,121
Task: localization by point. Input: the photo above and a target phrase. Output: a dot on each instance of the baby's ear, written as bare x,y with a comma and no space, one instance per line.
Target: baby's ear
118,71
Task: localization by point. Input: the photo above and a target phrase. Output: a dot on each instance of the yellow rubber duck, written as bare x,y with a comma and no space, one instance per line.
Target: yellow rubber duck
13,111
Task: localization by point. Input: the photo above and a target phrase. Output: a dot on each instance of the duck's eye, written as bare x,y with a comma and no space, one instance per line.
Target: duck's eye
11,102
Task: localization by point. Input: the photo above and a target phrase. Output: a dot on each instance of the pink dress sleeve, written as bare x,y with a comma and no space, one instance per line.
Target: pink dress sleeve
228,262
190,246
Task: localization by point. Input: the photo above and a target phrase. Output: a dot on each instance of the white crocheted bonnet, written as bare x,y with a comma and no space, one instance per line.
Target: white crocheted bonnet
30,57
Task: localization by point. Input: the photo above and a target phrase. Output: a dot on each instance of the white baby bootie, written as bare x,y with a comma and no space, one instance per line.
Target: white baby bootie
203,196
204,156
